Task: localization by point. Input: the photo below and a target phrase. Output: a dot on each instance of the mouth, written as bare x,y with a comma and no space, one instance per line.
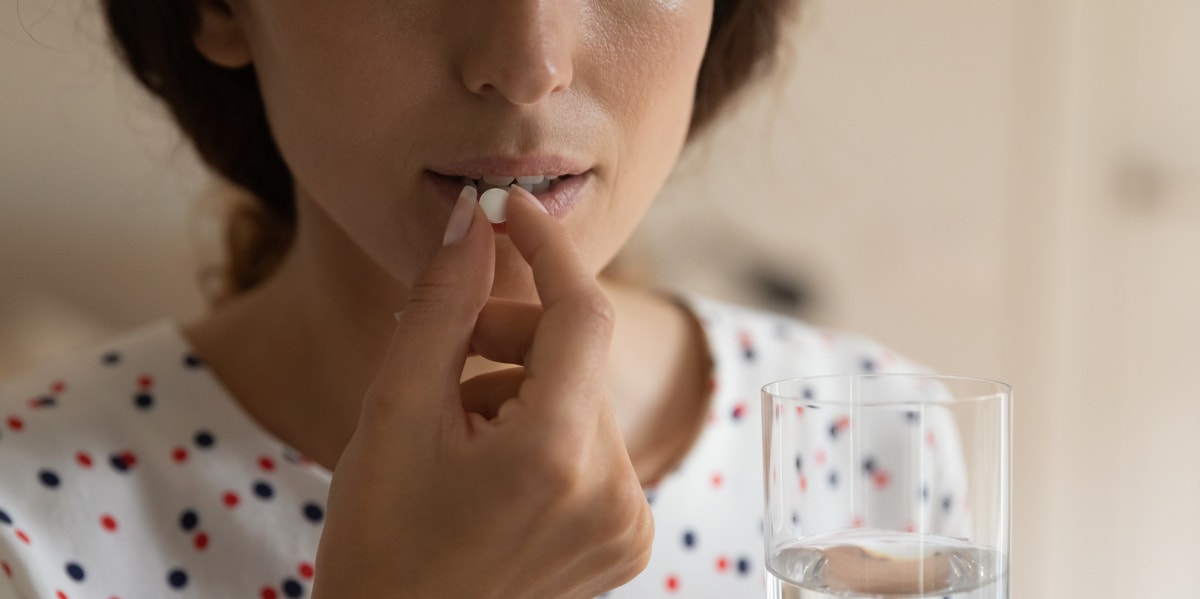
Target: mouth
559,193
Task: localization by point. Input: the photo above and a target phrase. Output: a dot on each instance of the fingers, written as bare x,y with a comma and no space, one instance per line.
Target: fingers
504,330
484,394
419,378
566,360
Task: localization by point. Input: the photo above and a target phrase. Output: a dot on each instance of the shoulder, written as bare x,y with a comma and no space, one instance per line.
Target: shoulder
119,362
86,393
765,344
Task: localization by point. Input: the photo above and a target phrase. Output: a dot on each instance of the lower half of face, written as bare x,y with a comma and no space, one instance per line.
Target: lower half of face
372,102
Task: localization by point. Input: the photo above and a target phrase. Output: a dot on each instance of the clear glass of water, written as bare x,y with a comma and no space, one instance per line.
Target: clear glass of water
888,486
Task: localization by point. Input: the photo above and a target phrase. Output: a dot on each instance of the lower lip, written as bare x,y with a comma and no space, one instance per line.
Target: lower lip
559,199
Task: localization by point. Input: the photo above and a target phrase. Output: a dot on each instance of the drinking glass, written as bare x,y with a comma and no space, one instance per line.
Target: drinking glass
886,485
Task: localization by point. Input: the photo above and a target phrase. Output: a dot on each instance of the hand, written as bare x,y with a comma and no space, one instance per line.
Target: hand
513,484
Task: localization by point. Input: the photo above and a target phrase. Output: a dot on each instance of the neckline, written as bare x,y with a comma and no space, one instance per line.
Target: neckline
233,410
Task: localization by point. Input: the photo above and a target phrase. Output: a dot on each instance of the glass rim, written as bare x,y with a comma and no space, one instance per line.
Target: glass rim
1004,390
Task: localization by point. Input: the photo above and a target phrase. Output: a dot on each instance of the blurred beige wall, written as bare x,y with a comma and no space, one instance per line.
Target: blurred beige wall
1003,188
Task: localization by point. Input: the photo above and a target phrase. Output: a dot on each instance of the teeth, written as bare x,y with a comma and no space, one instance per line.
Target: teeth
531,183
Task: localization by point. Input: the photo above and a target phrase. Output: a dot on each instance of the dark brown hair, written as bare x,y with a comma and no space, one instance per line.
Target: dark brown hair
221,111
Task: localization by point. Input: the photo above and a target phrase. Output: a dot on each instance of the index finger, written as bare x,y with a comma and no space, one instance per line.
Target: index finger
570,347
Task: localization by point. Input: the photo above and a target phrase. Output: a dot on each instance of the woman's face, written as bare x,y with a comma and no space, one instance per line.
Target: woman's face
379,106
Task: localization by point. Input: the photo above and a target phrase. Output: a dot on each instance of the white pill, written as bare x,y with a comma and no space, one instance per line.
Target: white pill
493,202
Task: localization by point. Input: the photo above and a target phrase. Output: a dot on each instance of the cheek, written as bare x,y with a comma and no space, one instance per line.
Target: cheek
336,96
651,86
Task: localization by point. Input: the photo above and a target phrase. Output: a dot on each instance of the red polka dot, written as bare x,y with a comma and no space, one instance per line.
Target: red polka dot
267,464
35,402
306,570
58,387
145,382
672,583
15,423
108,522
820,457
201,541
857,522
179,454
803,484
60,595
717,479
799,410
739,411
84,459
722,564
7,569
267,593
929,439
881,478
24,537
910,527
128,458
230,499
843,423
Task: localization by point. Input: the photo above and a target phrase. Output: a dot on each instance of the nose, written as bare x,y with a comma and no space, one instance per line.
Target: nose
520,50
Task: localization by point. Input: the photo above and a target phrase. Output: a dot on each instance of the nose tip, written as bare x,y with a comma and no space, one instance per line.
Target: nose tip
522,82
522,54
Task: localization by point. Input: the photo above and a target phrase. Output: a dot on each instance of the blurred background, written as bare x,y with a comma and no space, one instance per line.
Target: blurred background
998,188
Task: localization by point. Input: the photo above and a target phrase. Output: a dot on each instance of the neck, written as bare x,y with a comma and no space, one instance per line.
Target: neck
324,320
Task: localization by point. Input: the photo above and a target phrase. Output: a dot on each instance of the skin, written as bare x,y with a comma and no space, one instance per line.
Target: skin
363,96
532,474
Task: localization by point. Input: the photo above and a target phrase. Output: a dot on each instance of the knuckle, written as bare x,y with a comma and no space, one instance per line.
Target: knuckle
595,310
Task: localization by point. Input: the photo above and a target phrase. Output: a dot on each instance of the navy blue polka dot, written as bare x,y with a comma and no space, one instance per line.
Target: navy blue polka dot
49,479
834,431
46,401
111,358
313,512
795,519
743,566
869,465
689,539
192,361
291,588
925,492
833,478
263,490
75,571
188,520
948,503
808,393
912,416
868,365
799,463
119,463
204,439
4,518
143,401
177,578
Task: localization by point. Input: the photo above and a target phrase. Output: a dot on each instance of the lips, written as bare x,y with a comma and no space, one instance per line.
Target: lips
570,185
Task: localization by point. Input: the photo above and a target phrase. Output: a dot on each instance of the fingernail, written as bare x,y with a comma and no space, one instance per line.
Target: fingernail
397,315
461,216
495,205
529,197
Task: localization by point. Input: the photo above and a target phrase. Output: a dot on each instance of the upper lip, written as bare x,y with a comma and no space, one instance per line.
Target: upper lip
551,165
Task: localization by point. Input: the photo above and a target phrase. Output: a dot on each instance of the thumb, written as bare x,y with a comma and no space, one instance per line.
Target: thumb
420,375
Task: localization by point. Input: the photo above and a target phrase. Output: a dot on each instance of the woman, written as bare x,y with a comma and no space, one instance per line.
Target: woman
523,426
